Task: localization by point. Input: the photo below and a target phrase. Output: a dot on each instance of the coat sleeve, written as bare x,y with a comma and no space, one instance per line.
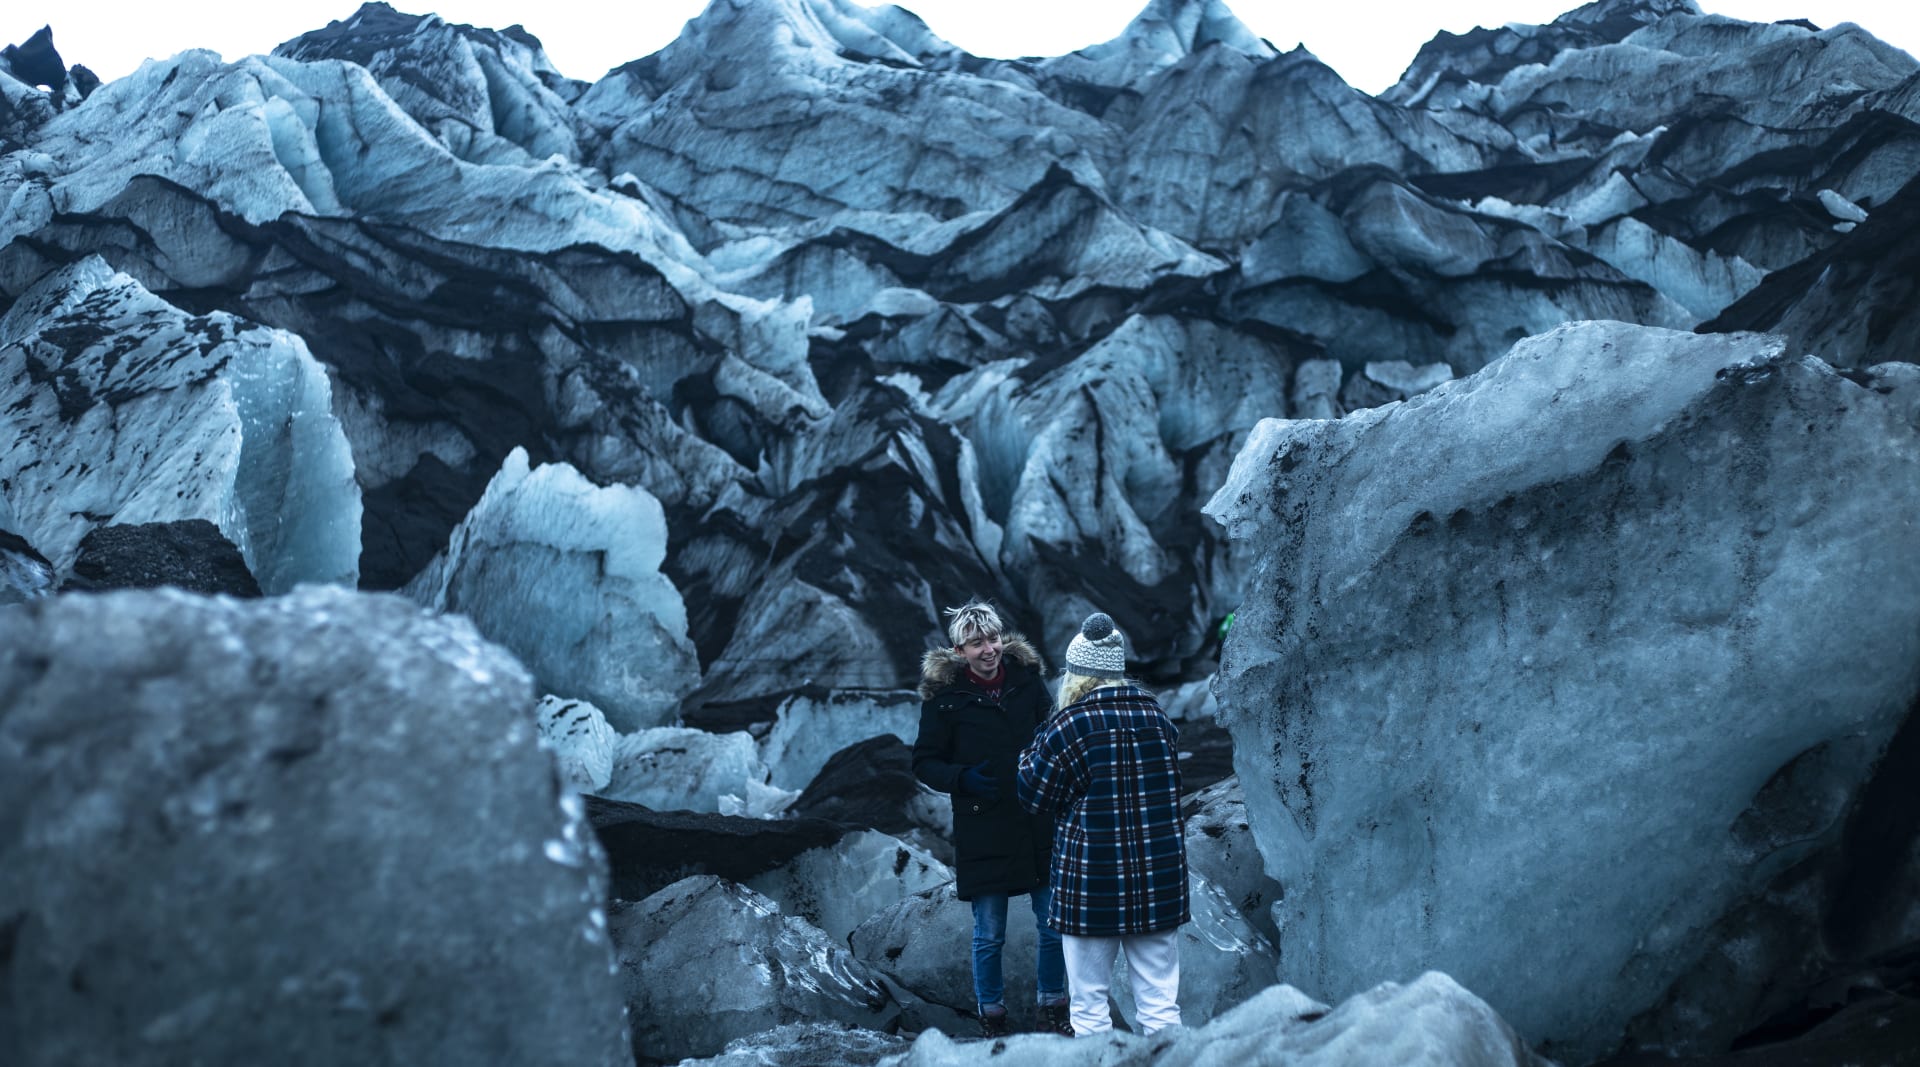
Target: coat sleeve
1052,776
933,751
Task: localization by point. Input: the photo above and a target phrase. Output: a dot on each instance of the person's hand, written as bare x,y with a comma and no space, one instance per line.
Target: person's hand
976,782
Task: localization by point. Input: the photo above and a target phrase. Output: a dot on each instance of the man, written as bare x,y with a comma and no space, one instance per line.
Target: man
981,702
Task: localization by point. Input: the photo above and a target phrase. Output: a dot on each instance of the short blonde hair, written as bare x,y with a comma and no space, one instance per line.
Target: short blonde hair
1074,686
975,618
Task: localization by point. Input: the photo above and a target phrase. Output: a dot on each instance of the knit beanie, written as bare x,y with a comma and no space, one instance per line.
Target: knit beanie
1097,650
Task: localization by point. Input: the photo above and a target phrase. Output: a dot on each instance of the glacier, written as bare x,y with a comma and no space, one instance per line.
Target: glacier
689,395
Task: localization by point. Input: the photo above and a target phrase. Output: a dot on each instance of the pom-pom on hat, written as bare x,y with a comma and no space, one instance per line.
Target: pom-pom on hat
1097,651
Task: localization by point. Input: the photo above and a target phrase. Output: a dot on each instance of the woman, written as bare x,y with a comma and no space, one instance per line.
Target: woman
1105,769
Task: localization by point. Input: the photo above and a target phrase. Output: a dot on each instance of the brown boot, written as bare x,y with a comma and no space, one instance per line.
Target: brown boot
993,1024
1056,1019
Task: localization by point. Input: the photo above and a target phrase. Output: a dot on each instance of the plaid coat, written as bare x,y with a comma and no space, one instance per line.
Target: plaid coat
1106,770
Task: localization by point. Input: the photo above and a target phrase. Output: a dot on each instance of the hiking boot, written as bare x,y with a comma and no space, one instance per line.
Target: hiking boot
1055,1019
993,1024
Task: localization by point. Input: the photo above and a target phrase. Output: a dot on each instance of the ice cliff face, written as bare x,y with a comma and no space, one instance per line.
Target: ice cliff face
1550,713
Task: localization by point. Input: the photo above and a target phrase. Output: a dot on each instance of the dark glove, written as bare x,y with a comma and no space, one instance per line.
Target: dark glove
976,782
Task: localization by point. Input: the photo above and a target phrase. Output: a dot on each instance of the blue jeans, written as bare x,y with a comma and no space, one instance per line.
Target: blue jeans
990,936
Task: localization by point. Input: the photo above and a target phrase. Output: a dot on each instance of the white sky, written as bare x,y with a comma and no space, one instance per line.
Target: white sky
1368,41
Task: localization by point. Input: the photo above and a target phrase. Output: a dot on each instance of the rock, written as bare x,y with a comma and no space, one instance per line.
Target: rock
1430,1022
344,830
567,575
1386,381
648,850
1852,304
685,951
187,554
871,784
36,61
1696,538
924,943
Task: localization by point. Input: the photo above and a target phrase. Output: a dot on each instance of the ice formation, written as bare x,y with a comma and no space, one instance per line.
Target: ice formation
125,409
567,575
1625,593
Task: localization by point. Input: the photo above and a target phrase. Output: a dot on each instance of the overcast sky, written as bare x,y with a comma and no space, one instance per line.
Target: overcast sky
1368,41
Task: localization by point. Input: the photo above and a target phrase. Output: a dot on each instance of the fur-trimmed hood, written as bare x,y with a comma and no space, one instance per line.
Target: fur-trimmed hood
940,667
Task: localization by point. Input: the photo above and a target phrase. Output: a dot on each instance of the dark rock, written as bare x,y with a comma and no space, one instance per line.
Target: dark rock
648,850
189,554
868,784
37,62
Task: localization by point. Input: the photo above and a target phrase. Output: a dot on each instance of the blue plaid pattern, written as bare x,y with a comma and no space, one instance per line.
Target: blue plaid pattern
1105,768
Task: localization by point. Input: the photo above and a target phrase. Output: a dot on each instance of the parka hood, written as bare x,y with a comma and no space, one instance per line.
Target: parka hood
941,667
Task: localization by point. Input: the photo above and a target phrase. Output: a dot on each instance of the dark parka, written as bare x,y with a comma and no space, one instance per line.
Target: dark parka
998,847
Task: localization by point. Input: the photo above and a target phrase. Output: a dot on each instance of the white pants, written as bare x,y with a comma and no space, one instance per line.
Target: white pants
1152,959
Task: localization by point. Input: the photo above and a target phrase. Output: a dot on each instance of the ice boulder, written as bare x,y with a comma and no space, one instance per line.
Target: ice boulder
1222,851
923,942
567,575
1428,1022
678,768
309,829
1223,959
24,573
1545,670
806,1045
810,727
837,888
124,409
705,961
581,741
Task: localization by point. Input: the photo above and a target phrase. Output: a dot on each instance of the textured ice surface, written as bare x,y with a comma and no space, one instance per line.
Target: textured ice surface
1221,849
567,575
1429,1022
1547,669
809,728
840,887
581,741
805,1045
678,768
705,961
124,409
310,829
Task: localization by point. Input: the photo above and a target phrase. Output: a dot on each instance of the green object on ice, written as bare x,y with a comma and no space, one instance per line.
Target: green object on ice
1225,625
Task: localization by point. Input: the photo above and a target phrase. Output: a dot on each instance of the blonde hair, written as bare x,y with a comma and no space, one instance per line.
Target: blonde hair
975,618
1074,686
